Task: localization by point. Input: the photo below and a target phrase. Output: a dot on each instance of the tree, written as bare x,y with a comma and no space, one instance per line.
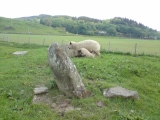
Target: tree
111,31
82,29
56,23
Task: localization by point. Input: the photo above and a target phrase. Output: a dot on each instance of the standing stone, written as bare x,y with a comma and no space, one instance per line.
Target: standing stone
65,73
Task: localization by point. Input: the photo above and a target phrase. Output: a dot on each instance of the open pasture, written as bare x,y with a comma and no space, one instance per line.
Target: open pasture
19,75
114,44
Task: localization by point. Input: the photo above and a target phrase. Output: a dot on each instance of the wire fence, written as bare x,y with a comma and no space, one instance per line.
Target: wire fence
132,48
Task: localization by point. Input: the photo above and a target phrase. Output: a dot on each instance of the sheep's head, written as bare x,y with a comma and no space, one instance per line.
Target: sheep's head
71,46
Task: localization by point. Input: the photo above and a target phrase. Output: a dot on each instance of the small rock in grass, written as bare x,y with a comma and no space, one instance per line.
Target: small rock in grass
53,105
40,90
120,92
100,104
18,53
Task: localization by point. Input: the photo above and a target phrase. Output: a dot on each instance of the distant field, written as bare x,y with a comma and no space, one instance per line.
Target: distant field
115,44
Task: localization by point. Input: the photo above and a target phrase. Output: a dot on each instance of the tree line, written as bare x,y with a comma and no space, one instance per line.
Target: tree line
89,26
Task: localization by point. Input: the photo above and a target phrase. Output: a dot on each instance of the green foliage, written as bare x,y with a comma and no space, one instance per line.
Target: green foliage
20,74
131,28
113,27
112,31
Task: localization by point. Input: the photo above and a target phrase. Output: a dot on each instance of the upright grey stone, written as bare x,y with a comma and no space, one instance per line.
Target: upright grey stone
65,73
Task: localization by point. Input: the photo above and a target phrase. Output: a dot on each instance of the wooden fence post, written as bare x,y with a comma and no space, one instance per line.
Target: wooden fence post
109,47
18,40
62,42
135,49
29,40
7,39
44,42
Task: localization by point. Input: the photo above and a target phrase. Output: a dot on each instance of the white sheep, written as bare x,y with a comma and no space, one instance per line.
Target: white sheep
90,45
85,53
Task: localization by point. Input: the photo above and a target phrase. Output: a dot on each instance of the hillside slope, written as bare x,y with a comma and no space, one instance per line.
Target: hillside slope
23,27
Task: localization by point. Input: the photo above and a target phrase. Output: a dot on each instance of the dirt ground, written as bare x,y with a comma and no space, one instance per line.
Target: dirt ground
59,103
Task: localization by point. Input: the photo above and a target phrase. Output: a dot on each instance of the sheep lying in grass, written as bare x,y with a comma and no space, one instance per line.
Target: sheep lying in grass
90,45
83,52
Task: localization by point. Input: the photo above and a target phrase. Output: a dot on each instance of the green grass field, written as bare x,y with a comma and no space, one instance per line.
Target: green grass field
115,44
20,75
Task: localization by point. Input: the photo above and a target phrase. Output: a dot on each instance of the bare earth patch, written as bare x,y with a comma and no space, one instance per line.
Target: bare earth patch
59,103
